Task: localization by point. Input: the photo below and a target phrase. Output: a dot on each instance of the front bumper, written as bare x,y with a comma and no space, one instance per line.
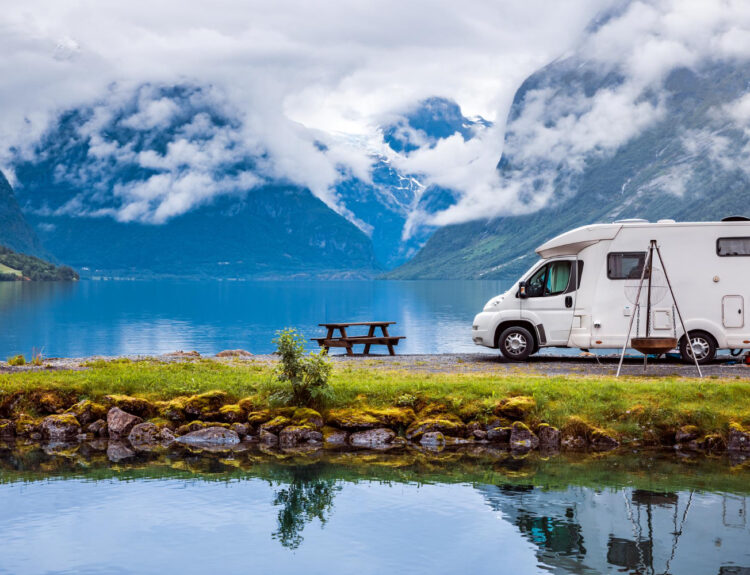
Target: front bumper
482,329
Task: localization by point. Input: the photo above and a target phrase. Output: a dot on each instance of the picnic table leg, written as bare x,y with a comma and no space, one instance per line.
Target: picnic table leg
329,335
349,345
370,333
391,351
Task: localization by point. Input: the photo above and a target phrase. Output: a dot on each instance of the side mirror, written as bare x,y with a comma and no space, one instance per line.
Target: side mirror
522,290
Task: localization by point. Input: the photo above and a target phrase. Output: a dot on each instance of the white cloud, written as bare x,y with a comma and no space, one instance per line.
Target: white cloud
294,73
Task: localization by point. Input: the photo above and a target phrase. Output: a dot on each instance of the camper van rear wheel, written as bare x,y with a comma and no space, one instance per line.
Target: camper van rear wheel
516,343
702,344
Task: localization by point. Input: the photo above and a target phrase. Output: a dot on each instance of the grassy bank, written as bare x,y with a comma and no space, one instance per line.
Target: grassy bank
631,407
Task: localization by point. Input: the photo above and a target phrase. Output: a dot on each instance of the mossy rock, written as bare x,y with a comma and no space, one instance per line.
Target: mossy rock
250,404
352,419
173,410
333,437
50,402
205,404
256,418
446,423
516,408
86,411
132,405
307,417
393,416
232,413
431,410
275,425
26,425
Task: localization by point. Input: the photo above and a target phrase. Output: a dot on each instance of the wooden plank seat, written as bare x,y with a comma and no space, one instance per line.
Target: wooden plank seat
348,341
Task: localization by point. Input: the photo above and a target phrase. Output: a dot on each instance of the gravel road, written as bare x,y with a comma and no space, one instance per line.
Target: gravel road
725,367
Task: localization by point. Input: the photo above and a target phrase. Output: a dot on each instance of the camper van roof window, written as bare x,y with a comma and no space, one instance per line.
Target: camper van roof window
625,265
726,247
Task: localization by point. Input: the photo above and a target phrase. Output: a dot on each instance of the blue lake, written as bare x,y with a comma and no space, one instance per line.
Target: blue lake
80,510
124,318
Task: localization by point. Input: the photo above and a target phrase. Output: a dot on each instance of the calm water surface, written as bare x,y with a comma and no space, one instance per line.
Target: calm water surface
406,513
122,318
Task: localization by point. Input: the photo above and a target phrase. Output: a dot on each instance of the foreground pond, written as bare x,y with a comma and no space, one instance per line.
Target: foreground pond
76,510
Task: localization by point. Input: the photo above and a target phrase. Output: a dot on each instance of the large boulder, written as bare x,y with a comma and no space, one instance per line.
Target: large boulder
516,408
61,427
210,436
147,434
294,435
242,429
206,405
268,438
601,440
119,423
522,438
373,438
549,437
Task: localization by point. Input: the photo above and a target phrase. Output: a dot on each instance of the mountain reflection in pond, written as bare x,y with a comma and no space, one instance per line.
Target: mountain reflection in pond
72,510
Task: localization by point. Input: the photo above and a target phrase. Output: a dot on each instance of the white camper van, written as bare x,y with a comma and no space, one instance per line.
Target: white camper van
581,292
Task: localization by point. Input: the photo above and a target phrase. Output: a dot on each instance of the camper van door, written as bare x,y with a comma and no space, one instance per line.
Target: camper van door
550,299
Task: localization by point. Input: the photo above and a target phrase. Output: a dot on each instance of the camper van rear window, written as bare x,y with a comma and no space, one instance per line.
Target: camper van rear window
726,247
625,265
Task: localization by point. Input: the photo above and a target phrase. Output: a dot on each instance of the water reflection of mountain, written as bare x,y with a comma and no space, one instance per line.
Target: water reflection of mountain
582,530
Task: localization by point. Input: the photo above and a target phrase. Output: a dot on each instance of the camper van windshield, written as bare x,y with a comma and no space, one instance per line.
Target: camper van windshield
552,279
625,265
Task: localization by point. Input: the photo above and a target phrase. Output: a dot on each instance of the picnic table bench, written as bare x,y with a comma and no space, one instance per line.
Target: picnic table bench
347,341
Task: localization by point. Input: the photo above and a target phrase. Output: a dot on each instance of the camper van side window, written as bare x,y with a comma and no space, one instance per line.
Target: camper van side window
733,247
625,265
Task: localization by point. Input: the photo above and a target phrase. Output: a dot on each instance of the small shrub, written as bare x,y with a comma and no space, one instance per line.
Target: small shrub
17,360
37,358
307,375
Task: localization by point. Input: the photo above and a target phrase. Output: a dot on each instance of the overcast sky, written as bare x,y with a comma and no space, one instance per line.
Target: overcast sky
296,71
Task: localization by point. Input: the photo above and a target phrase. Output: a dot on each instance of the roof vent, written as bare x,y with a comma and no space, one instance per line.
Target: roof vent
666,221
735,219
631,221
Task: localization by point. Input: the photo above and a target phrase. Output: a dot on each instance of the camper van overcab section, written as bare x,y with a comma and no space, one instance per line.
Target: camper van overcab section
581,293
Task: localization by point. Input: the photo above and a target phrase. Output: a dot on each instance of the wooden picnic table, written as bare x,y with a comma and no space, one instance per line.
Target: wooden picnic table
348,341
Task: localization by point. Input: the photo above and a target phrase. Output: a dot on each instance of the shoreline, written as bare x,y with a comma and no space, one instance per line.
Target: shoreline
380,402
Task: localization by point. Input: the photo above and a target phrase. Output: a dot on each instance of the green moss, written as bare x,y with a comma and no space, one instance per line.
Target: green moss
88,411
133,405
25,425
446,423
232,413
351,418
307,416
173,410
205,404
276,424
518,407
66,418
197,425
256,418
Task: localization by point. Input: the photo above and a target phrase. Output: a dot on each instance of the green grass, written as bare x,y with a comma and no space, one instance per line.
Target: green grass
630,406
10,271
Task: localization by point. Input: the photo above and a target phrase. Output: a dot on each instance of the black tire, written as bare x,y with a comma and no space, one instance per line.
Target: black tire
703,341
516,343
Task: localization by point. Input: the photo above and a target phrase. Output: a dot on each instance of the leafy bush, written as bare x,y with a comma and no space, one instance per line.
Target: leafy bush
17,360
307,375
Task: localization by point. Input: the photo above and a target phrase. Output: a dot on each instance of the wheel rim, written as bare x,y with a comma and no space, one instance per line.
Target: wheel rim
699,348
515,344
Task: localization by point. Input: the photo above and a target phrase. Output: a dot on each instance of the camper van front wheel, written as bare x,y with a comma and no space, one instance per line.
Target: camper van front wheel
702,343
516,343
